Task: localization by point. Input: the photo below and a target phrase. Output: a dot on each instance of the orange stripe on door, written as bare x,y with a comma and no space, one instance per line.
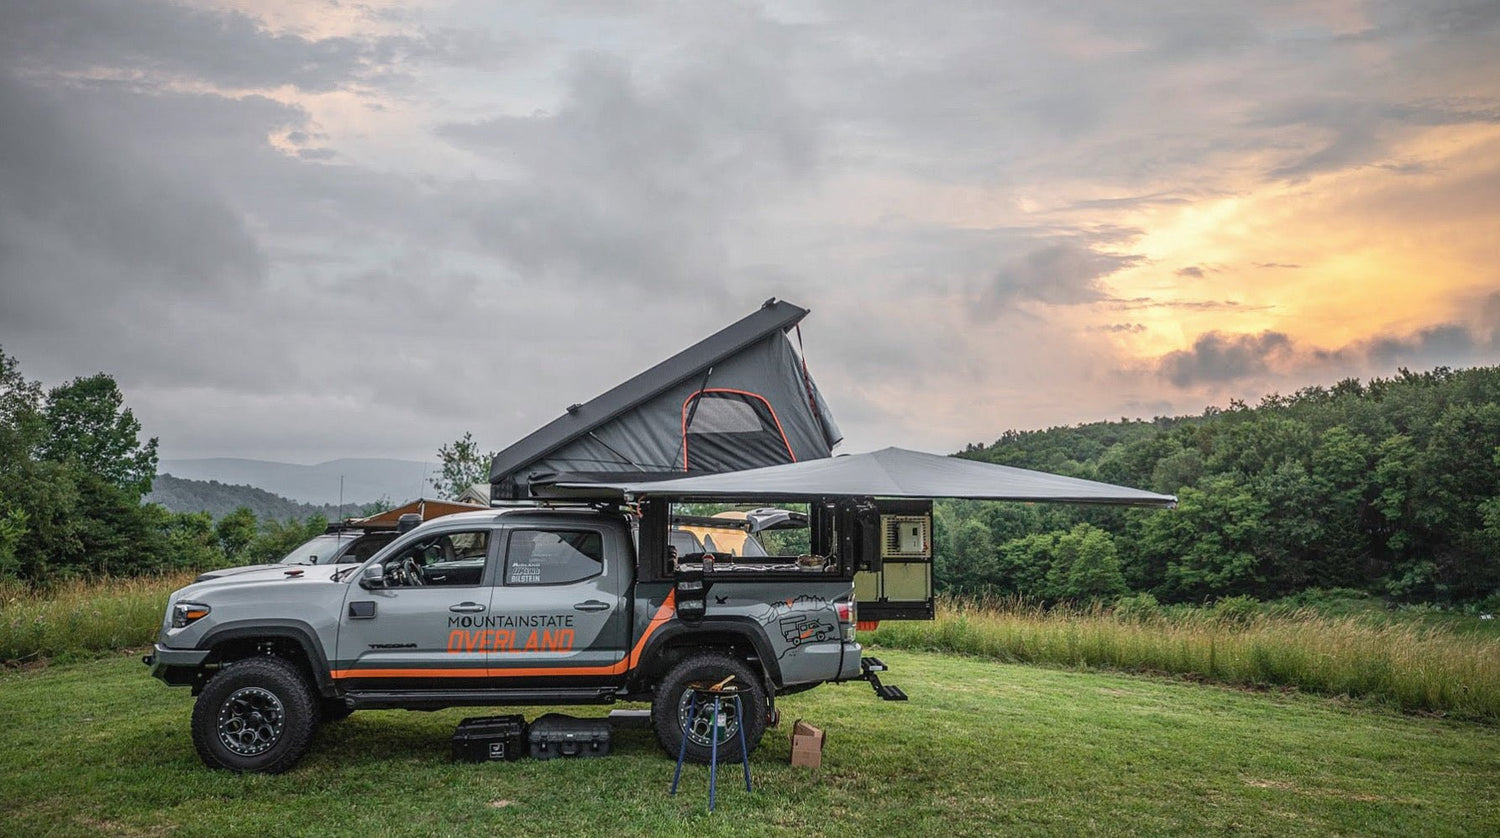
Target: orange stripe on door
660,618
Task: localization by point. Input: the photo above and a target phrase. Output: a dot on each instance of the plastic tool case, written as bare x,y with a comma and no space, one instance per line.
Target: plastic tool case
555,735
490,738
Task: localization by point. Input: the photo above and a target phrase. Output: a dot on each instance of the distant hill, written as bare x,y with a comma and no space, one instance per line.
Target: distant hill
219,499
364,479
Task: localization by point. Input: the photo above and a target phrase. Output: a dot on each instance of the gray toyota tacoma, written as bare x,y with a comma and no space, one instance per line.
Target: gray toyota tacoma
518,606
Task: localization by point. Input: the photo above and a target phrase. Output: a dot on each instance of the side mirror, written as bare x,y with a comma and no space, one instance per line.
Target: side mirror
373,576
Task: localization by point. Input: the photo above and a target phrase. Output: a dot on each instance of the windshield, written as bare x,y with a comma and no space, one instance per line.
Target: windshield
322,549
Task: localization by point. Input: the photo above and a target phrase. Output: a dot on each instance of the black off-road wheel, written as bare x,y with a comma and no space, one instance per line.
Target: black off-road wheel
671,702
256,715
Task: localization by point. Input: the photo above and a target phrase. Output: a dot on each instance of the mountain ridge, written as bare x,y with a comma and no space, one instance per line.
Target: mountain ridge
363,479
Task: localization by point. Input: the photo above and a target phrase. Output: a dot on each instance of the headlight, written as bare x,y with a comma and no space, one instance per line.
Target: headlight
184,613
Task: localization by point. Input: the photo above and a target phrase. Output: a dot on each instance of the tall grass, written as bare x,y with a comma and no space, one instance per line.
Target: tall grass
76,618
1412,666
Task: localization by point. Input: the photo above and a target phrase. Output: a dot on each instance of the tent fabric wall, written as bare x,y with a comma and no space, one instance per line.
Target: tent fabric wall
650,437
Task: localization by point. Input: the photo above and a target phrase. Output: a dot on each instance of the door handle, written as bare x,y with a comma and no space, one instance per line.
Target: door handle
466,606
591,605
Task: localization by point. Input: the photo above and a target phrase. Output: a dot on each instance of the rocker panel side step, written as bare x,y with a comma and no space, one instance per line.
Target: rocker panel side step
439,699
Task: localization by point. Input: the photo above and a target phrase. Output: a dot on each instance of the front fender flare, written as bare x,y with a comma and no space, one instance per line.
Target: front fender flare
278,629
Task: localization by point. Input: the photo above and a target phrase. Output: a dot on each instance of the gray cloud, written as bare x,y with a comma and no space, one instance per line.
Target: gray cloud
1061,273
639,182
1216,357
110,211
227,48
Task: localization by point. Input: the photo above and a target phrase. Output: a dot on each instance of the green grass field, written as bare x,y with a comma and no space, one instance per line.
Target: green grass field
981,748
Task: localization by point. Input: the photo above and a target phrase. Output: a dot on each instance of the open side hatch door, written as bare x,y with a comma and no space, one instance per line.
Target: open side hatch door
894,545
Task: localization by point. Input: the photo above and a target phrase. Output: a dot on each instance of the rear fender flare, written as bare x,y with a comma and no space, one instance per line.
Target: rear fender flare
742,628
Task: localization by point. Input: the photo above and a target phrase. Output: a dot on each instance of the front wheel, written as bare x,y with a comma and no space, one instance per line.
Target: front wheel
255,715
671,702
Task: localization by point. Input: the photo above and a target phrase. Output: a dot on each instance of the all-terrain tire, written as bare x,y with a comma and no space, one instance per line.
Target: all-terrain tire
255,715
670,703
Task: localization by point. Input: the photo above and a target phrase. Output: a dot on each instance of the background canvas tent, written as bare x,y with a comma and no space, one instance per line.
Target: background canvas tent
428,508
888,473
739,399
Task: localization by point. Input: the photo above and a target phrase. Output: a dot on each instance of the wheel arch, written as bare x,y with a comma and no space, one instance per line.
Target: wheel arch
740,636
292,639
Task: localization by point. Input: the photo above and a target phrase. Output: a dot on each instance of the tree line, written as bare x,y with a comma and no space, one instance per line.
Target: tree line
73,471
1390,487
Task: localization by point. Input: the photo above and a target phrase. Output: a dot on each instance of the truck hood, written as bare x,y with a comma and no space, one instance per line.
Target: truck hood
235,571
265,575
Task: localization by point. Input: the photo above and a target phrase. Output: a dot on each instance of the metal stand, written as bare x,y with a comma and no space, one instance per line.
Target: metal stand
718,693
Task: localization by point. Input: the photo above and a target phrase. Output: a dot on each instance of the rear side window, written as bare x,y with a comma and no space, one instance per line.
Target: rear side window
553,557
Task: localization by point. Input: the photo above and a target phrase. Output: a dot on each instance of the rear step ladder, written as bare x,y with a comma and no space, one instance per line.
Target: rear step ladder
887,692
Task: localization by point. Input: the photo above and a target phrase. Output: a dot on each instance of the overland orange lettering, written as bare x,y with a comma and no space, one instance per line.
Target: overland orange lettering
499,640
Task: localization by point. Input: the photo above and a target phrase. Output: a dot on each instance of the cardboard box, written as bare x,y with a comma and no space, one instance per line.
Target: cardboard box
807,745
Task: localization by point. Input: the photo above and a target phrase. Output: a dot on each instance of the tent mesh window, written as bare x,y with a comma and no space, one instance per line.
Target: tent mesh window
726,430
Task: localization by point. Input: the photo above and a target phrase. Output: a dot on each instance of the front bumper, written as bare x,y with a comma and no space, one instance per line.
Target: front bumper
178,667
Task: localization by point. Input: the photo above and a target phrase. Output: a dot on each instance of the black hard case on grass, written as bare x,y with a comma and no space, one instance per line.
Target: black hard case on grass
555,735
490,738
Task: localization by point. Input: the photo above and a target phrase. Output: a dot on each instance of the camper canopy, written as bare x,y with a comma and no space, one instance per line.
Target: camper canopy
888,473
739,399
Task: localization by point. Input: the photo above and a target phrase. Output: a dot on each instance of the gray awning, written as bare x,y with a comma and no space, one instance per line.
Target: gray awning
888,473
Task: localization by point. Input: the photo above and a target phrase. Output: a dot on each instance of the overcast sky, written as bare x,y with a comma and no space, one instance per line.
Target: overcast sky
303,230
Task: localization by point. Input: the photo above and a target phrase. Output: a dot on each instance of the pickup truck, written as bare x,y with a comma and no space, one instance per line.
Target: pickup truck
510,606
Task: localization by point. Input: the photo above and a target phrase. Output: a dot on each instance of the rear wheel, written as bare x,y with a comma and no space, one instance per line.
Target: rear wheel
670,707
255,715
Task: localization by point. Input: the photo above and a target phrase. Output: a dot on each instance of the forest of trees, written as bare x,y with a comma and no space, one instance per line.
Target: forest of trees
1390,488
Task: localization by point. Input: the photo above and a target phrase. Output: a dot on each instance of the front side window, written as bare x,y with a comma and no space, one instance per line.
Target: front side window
553,557
450,558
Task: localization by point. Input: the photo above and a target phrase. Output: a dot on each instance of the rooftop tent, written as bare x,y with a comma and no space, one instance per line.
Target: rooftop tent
739,399
888,473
